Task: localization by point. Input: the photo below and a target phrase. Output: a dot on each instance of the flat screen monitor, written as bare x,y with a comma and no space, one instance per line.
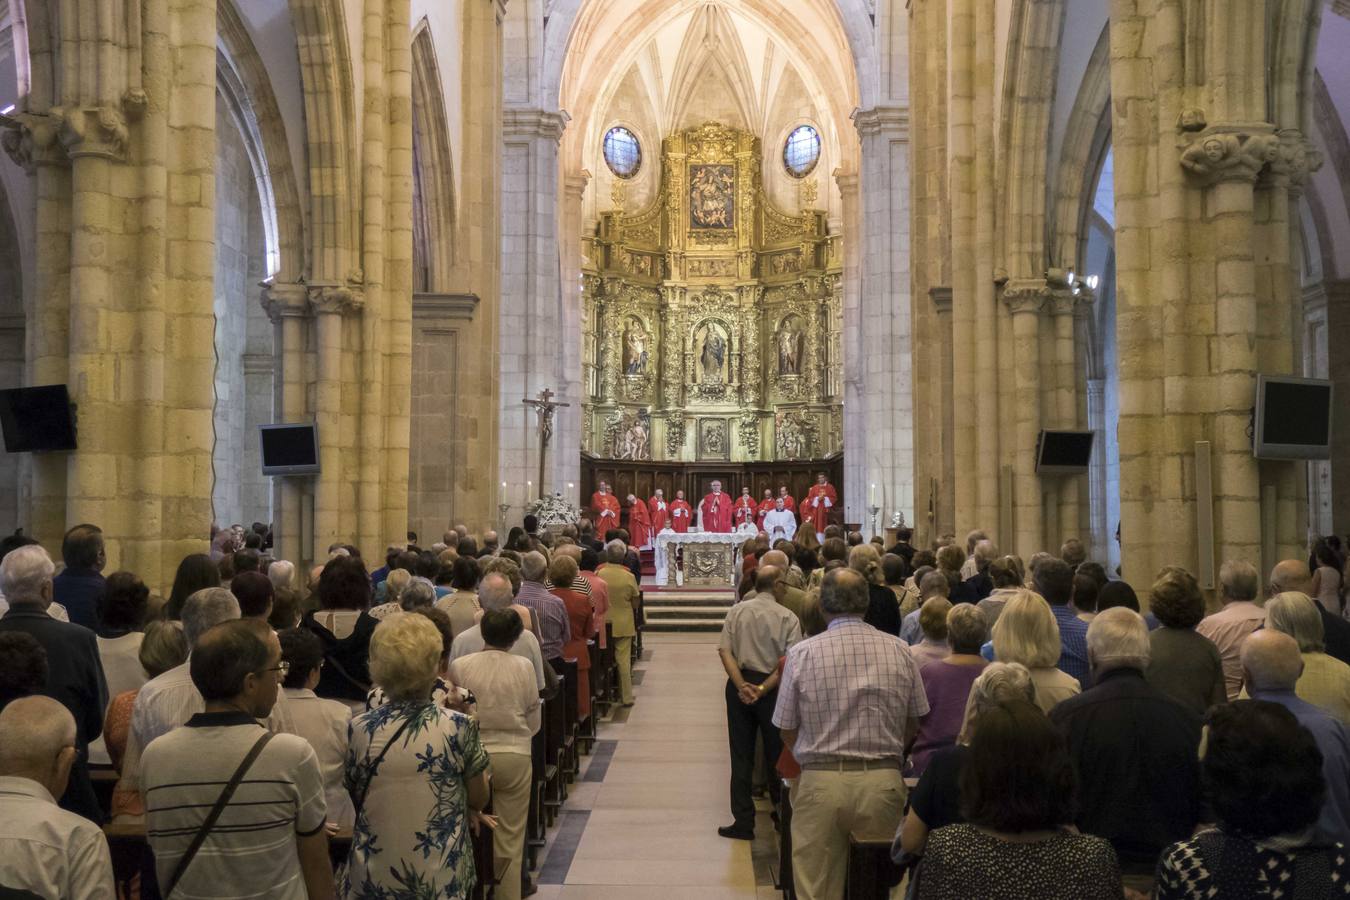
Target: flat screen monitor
290,449
1064,452
1293,418
37,419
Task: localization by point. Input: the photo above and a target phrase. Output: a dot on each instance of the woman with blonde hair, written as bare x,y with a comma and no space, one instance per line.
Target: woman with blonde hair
1325,681
1027,633
883,610
394,586
416,772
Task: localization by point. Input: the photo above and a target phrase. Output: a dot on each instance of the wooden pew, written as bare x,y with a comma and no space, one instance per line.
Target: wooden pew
782,874
871,873
572,765
555,751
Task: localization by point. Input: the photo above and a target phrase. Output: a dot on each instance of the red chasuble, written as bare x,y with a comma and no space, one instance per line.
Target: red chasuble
659,512
817,505
716,510
680,514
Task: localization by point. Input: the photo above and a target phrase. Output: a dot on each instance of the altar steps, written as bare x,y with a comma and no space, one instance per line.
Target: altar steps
686,610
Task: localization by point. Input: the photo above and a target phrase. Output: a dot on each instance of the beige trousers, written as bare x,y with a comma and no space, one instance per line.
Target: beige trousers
826,807
511,804
623,655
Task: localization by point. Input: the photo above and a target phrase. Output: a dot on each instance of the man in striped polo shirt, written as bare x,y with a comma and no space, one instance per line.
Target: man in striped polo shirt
269,840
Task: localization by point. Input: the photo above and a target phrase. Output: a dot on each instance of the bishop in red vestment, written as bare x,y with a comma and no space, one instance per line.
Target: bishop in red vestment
680,513
788,503
818,503
639,523
715,511
605,508
765,507
659,510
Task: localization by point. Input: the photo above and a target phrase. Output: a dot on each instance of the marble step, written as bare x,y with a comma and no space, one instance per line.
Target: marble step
682,626
658,613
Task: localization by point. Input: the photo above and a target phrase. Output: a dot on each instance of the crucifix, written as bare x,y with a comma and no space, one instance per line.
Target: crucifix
544,406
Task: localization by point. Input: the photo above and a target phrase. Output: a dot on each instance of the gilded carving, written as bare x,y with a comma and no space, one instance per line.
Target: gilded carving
675,432
628,435
712,196
750,434
708,563
713,441
712,268
795,434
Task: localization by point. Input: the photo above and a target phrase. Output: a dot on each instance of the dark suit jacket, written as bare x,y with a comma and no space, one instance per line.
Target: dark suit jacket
1136,753
80,591
883,610
973,589
75,679
1336,634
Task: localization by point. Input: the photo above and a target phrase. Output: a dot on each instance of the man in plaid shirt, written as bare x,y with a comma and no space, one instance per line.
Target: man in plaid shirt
849,702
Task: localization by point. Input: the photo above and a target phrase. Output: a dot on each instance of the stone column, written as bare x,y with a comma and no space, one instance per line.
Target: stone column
287,306
532,296
331,304
855,423
885,420
963,189
1338,366
943,489
1025,300
1064,308
569,422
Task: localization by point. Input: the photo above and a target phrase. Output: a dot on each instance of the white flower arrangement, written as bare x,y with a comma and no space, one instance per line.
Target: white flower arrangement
554,509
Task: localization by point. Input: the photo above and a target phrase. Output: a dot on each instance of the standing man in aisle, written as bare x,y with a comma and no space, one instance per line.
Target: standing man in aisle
817,505
623,601
756,634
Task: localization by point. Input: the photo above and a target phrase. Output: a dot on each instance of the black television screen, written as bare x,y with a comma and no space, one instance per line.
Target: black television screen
1064,452
1293,418
290,449
37,419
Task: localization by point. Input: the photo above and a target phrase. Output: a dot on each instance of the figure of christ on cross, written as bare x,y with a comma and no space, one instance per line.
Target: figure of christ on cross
544,406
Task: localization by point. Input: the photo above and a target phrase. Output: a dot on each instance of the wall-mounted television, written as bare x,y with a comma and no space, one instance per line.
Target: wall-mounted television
1064,452
37,419
1293,418
290,449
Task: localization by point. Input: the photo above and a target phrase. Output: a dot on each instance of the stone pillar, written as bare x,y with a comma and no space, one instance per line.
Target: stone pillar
885,420
568,422
943,489
961,152
1064,309
532,295
287,306
331,303
855,423
1338,360
1025,301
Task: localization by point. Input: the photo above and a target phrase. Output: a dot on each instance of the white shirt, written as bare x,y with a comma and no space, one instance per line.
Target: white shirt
780,522
167,702
120,657
47,851
527,646
508,699
55,610
324,724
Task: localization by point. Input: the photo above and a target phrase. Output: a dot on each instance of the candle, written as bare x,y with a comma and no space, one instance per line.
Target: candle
874,494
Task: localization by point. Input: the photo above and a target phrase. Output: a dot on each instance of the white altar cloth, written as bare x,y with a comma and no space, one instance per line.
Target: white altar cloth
668,541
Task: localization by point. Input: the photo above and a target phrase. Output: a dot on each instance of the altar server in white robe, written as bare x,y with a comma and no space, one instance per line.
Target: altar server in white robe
780,522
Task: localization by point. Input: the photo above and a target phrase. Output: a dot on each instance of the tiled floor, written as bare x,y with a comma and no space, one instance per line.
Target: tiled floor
647,829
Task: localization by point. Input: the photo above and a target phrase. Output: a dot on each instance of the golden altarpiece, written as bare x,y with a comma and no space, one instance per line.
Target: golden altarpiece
712,319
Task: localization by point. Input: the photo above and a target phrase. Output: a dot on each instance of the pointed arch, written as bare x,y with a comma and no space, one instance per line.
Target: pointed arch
435,214
1088,130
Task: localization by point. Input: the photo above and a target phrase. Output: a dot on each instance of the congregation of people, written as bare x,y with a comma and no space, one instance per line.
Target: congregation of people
1031,730
258,710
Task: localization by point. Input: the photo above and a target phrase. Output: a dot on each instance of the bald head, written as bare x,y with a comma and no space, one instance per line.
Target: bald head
37,741
766,577
494,591
1291,575
1271,661
776,558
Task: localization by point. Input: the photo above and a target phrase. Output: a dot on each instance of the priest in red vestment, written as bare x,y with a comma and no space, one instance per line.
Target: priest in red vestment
788,503
765,507
605,508
680,513
659,511
817,505
746,509
715,511
639,523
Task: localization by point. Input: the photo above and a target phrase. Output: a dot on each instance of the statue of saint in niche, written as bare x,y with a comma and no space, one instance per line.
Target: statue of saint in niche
789,348
635,349
713,354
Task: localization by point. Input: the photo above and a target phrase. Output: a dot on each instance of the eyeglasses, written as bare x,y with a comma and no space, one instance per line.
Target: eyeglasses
283,667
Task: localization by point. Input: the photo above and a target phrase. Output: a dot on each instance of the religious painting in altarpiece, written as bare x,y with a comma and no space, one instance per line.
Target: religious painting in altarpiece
712,318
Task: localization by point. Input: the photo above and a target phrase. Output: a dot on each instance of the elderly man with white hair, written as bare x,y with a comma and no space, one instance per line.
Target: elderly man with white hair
555,629
1325,681
75,675
1272,666
494,592
1240,586
624,598
1293,575
47,851
1135,750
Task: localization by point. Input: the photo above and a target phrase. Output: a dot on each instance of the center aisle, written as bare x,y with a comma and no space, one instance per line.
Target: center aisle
641,822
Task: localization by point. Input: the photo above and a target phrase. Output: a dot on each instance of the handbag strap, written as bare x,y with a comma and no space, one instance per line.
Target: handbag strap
221,802
359,802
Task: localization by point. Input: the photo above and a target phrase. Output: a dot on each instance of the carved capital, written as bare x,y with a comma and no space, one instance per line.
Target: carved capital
1229,153
1295,161
942,299
99,131
334,299
31,140
529,122
575,185
1027,295
891,121
284,301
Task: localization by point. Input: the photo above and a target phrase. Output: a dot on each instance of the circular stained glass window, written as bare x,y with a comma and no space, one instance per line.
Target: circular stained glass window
802,151
623,153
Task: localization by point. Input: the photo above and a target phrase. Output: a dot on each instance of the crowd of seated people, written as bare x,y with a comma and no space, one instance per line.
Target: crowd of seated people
1061,731
255,712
